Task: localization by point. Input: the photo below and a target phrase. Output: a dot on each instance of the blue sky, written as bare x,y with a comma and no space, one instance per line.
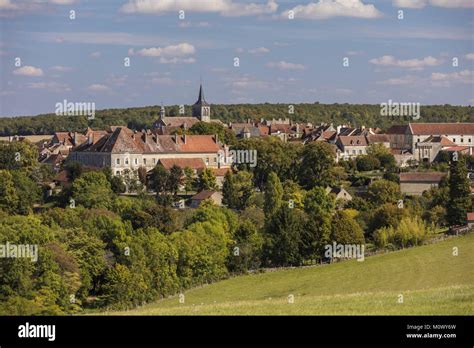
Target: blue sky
280,59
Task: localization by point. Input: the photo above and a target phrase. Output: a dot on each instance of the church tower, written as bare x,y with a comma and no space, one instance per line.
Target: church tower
201,109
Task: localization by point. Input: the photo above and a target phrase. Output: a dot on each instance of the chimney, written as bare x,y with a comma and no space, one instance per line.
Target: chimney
90,140
216,138
184,138
175,138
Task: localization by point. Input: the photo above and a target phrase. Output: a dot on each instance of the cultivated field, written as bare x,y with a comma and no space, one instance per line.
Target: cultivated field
431,280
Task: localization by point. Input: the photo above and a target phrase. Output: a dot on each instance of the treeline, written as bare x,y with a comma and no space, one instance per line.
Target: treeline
143,118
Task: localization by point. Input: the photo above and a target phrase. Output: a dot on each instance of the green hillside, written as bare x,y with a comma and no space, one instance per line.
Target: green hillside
431,280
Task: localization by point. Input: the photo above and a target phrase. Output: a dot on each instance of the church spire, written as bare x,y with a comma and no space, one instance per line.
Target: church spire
201,109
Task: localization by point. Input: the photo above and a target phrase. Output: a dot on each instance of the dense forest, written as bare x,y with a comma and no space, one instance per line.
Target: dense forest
143,117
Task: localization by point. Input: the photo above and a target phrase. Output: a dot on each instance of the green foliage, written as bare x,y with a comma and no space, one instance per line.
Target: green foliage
245,253
410,231
346,230
383,191
206,180
367,163
237,190
139,118
8,197
459,203
283,237
18,155
316,165
273,195
92,190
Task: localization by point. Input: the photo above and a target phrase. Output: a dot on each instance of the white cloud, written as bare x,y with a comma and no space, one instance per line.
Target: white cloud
469,56
324,9
61,68
282,65
98,88
96,54
438,3
7,5
413,64
409,3
28,70
245,83
445,80
100,38
399,81
50,86
228,8
28,5
177,60
258,50
194,25
180,50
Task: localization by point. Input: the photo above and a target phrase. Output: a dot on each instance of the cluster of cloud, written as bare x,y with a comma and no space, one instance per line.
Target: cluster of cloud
324,9
25,5
283,65
412,64
254,51
28,70
173,54
417,4
228,8
446,79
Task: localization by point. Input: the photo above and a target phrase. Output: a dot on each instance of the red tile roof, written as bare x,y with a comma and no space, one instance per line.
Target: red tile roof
434,177
442,128
353,140
398,129
220,171
470,216
203,195
193,163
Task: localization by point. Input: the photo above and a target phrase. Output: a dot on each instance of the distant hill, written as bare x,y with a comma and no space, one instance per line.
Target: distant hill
143,117
431,280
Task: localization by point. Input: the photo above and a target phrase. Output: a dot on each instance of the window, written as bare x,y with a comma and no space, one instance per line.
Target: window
136,160
154,160
207,161
353,152
360,152
462,140
126,160
144,161
118,161
117,172
454,139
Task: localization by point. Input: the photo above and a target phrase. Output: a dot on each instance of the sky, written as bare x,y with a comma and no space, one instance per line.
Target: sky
130,53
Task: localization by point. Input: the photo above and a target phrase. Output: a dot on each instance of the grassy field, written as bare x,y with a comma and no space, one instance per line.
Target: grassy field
431,280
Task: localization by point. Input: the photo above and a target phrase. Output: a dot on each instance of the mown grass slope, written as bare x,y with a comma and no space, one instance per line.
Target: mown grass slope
430,279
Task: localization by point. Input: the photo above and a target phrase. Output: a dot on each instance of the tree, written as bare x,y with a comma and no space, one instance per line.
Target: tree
18,155
316,165
319,208
207,180
459,193
8,197
283,237
175,179
237,190
383,191
367,163
27,190
92,190
273,195
189,180
346,230
246,250
73,169
159,179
